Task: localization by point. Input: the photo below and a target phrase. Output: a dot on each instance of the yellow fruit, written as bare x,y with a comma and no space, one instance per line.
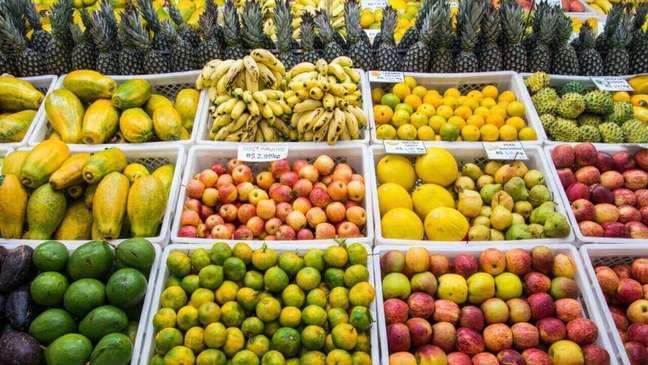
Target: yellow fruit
427,109
366,19
429,196
436,122
437,166
401,223
382,114
410,82
471,103
499,110
463,112
419,91
433,98
450,101
377,94
418,119
516,122
470,133
482,111
490,91
406,107
452,92
400,117
391,195
457,121
527,134
476,120
488,102
506,96
406,132
515,109
489,133
413,100
445,111
449,132
425,133
495,119
401,90
508,133
390,100
445,224
396,169
386,131
475,94
621,96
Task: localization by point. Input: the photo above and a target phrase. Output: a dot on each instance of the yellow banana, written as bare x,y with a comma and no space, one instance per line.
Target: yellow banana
328,101
286,108
260,97
322,66
226,107
221,99
253,108
338,90
316,93
267,58
337,71
343,61
266,111
247,96
221,121
358,114
299,69
292,101
266,75
251,82
238,109
353,74
276,108
351,124
220,70
306,105
273,94
251,66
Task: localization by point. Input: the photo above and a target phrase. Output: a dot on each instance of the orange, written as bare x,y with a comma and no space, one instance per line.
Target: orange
472,103
413,100
515,109
495,119
516,122
418,119
489,133
382,114
453,91
499,110
400,117
508,133
463,111
475,94
458,121
426,109
366,19
475,120
470,133
433,98
507,96
490,91
436,122
401,90
425,133
410,82
376,94
481,111
527,134
450,101
419,91
488,102
445,111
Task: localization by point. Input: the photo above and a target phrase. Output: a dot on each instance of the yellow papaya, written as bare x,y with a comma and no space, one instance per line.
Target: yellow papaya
102,163
65,114
640,113
186,103
134,171
70,173
89,85
132,93
45,211
94,232
639,84
45,158
184,134
167,123
88,194
13,127
145,208
100,122
77,223
156,101
13,163
109,204
639,100
55,136
17,94
75,191
135,125
164,173
13,204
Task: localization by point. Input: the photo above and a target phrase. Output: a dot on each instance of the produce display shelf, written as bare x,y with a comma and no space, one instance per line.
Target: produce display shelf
465,82
148,348
606,254
206,120
166,84
202,157
470,153
152,157
150,287
587,298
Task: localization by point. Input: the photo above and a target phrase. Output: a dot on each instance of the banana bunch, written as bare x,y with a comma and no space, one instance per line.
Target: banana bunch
325,100
334,8
267,9
601,6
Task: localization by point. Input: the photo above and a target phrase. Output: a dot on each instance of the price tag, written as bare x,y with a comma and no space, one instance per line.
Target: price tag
261,153
505,151
611,83
386,76
372,33
404,147
373,4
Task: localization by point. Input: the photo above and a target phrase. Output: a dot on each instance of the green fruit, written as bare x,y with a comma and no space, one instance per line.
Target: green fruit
179,355
199,259
245,357
52,324
137,253
334,277
315,258
84,295
167,339
336,256
243,251
70,349
234,269
275,279
50,256
453,287
211,276
481,287
253,279
48,288
355,274
314,315
258,344
219,252
345,336
252,326
247,298
312,337
337,316
179,264
396,285
208,313
211,357
339,298
287,341
126,288
508,286
164,318
268,309
291,263
93,259
112,349
360,318
293,295
308,278
357,254
190,283
313,357
102,321
273,357
264,258
316,297
187,317
215,335
232,314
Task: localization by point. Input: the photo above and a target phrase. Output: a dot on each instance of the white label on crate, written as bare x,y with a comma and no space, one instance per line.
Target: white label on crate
372,33
386,76
505,151
404,147
610,83
373,4
454,4
261,153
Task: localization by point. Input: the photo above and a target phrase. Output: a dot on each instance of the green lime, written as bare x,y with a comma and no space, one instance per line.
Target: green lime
234,269
287,341
268,309
199,259
48,288
316,297
275,279
201,296
264,258
243,251
315,258
219,252
179,264
360,318
247,298
336,256
293,295
449,132
312,337
273,357
334,277
187,317
164,318
337,316
290,317
190,283
355,274
226,292
211,276
215,335
252,326
208,313
50,256
245,357
172,281
314,315
357,254
211,357
232,314
167,339
259,344
339,298
173,297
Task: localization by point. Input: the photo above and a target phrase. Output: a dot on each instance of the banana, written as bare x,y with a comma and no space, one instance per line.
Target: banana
299,69
350,87
328,101
266,111
254,108
224,83
286,108
343,61
260,97
322,66
276,108
338,90
200,84
221,121
226,107
308,120
324,119
304,77
302,94
267,58
238,109
306,105
312,83
333,133
241,121
247,96
223,132
266,75
283,128
316,93
251,66
358,114
337,71
267,132
220,70
351,124
353,74
251,82
292,101
273,94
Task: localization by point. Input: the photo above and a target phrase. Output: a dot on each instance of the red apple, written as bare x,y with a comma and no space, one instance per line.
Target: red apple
398,337
641,158
582,331
586,154
444,335
636,352
498,337
583,210
466,265
563,156
485,358
278,167
551,330
568,309
594,354
525,335
542,305
600,194
623,161
536,282
624,197
420,331
636,230
591,229
604,161
577,191
243,233
628,213
472,317
635,179
469,341
566,177
639,269
588,175
518,261
629,290
612,180
605,213
396,311
421,305
614,229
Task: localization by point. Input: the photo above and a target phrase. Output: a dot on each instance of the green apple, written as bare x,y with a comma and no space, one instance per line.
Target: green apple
566,352
508,286
453,287
396,285
481,287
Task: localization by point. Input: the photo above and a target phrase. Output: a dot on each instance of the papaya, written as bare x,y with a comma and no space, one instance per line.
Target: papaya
89,85
100,122
17,94
75,191
135,125
184,134
167,123
109,204
76,224
156,101
102,163
45,210
13,162
132,93
13,204
146,204
134,171
186,103
42,161
65,114
13,127
165,173
55,136
70,172
88,195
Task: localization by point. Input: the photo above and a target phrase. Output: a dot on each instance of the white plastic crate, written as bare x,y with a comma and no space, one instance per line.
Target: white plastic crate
45,84
202,157
580,238
586,298
465,82
148,349
469,153
166,84
150,288
152,157
206,122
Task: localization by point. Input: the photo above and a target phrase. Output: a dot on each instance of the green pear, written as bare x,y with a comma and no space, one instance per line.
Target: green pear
520,168
539,215
556,225
536,230
539,194
481,287
453,287
472,171
479,232
508,286
523,208
518,231
517,219
470,203
481,221
486,211
516,188
489,190
484,180
533,178
396,285
464,183
502,198
501,218
496,235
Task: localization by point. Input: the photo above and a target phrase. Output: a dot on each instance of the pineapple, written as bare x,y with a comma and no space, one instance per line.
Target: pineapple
105,36
252,27
412,35
283,21
639,44
387,57
39,38
332,49
231,30
28,62
513,27
540,56
184,31
470,13
311,54
442,60
359,47
617,61
183,56
153,25
211,35
130,57
84,52
418,56
589,59
61,43
154,61
611,24
490,54
565,60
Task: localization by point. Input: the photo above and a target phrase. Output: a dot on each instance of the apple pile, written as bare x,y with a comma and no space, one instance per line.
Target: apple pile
305,201
518,307
607,193
626,291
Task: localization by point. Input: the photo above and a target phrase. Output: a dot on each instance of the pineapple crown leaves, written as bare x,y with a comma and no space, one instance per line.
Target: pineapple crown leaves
323,24
586,36
283,22
444,35
426,6
104,33
623,33
429,27
640,17
128,19
12,10
208,21
512,21
306,31
387,27
352,21
491,27
107,11
60,18
77,34
470,15
546,28
137,34
613,18
252,25
31,14
166,27
174,13
562,29
149,15
86,19
231,24
10,34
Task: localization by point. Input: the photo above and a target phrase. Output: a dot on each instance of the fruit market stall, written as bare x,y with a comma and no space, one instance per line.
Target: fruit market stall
69,304
254,327
456,303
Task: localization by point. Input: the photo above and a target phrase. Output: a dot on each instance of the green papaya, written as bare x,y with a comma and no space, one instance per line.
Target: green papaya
42,161
134,171
45,210
112,349
88,195
145,208
65,114
109,204
165,173
135,125
167,123
70,172
186,103
100,122
89,85
17,94
76,224
13,127
13,162
102,163
13,204
132,93
156,101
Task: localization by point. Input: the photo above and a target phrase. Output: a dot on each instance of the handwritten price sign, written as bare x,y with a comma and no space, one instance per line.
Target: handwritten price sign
261,153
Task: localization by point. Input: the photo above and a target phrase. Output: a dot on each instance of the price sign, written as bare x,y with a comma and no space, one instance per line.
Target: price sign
505,151
373,4
386,76
611,83
372,33
405,147
261,153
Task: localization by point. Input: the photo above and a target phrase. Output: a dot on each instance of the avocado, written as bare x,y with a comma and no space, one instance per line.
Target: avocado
70,349
102,321
137,253
52,324
50,256
93,259
84,295
112,349
126,288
